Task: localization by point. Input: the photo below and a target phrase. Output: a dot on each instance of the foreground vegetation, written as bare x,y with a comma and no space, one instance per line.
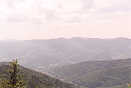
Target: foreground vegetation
13,75
13,79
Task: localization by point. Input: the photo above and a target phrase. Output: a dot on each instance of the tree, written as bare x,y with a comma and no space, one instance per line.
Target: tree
14,78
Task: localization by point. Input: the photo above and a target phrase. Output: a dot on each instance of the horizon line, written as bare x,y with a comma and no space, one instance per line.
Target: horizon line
65,38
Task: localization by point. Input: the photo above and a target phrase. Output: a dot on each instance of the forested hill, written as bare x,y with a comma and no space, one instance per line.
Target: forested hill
97,74
35,79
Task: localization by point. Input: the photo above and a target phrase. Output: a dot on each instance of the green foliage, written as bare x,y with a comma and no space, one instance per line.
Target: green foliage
14,78
33,79
3,84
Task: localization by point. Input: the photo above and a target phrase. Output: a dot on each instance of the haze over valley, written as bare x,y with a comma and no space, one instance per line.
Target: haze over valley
53,52
65,43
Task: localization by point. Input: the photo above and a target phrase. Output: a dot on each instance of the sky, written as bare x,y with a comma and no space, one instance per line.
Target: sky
46,19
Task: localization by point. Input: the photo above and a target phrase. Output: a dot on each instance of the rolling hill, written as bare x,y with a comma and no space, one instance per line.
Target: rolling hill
97,74
53,52
35,79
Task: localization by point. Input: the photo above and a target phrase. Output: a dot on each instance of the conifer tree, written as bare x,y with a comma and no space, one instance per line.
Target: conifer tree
14,78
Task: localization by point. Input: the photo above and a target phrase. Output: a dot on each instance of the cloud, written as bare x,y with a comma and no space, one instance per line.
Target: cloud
113,5
29,19
45,9
61,11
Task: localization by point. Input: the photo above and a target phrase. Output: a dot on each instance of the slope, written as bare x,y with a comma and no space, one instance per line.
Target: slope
35,79
96,73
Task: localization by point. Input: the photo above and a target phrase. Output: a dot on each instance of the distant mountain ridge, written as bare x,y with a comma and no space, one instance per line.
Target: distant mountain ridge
97,74
35,79
54,52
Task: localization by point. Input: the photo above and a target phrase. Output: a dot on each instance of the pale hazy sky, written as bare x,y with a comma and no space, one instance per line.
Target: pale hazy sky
42,19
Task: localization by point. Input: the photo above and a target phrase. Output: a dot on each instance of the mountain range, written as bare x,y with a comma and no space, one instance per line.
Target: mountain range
42,54
86,62
96,74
